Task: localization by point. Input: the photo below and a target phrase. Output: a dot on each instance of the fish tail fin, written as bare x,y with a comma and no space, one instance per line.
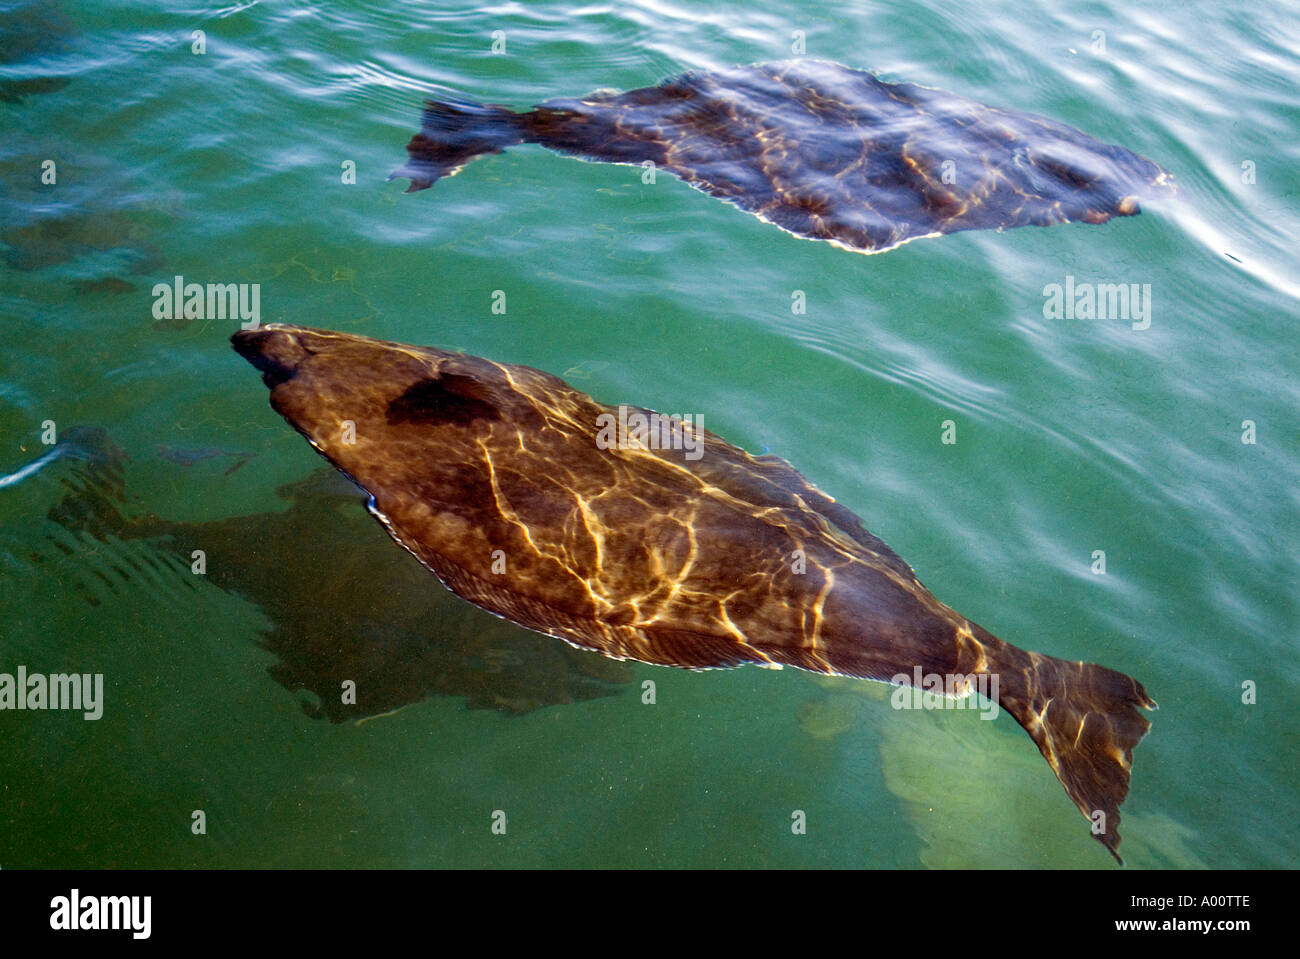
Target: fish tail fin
1086,721
453,132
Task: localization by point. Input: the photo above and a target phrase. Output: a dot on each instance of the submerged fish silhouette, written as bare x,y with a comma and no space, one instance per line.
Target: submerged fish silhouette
188,457
321,563
492,475
821,150
315,565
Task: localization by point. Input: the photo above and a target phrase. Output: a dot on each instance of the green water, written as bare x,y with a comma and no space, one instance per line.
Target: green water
1072,435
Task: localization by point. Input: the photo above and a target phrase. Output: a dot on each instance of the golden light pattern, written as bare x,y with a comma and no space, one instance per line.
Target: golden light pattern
821,150
642,553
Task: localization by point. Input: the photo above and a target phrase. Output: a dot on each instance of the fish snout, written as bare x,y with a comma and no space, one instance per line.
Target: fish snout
275,351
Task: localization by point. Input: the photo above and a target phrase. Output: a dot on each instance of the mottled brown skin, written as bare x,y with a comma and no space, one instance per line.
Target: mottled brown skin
823,151
645,554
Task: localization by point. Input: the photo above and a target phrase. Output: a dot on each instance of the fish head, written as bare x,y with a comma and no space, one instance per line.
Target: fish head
1091,181
412,426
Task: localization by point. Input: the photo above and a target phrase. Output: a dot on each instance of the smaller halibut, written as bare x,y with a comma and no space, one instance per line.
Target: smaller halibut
823,151
700,556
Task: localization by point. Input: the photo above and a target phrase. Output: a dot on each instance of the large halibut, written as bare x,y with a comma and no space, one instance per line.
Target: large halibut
822,150
667,546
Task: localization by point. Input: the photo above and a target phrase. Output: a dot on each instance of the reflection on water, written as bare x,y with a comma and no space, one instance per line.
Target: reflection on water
31,32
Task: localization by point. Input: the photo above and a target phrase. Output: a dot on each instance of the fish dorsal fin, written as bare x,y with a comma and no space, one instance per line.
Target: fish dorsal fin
837,517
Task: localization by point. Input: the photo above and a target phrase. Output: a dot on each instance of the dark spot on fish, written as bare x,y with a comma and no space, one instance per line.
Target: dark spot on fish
451,398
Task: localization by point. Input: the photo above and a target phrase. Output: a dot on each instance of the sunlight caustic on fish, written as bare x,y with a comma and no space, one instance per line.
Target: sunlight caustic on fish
684,562
823,151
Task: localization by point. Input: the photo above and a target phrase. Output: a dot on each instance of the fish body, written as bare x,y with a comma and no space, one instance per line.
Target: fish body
822,150
494,476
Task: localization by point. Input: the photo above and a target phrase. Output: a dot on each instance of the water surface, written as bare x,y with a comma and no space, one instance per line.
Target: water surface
1073,435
